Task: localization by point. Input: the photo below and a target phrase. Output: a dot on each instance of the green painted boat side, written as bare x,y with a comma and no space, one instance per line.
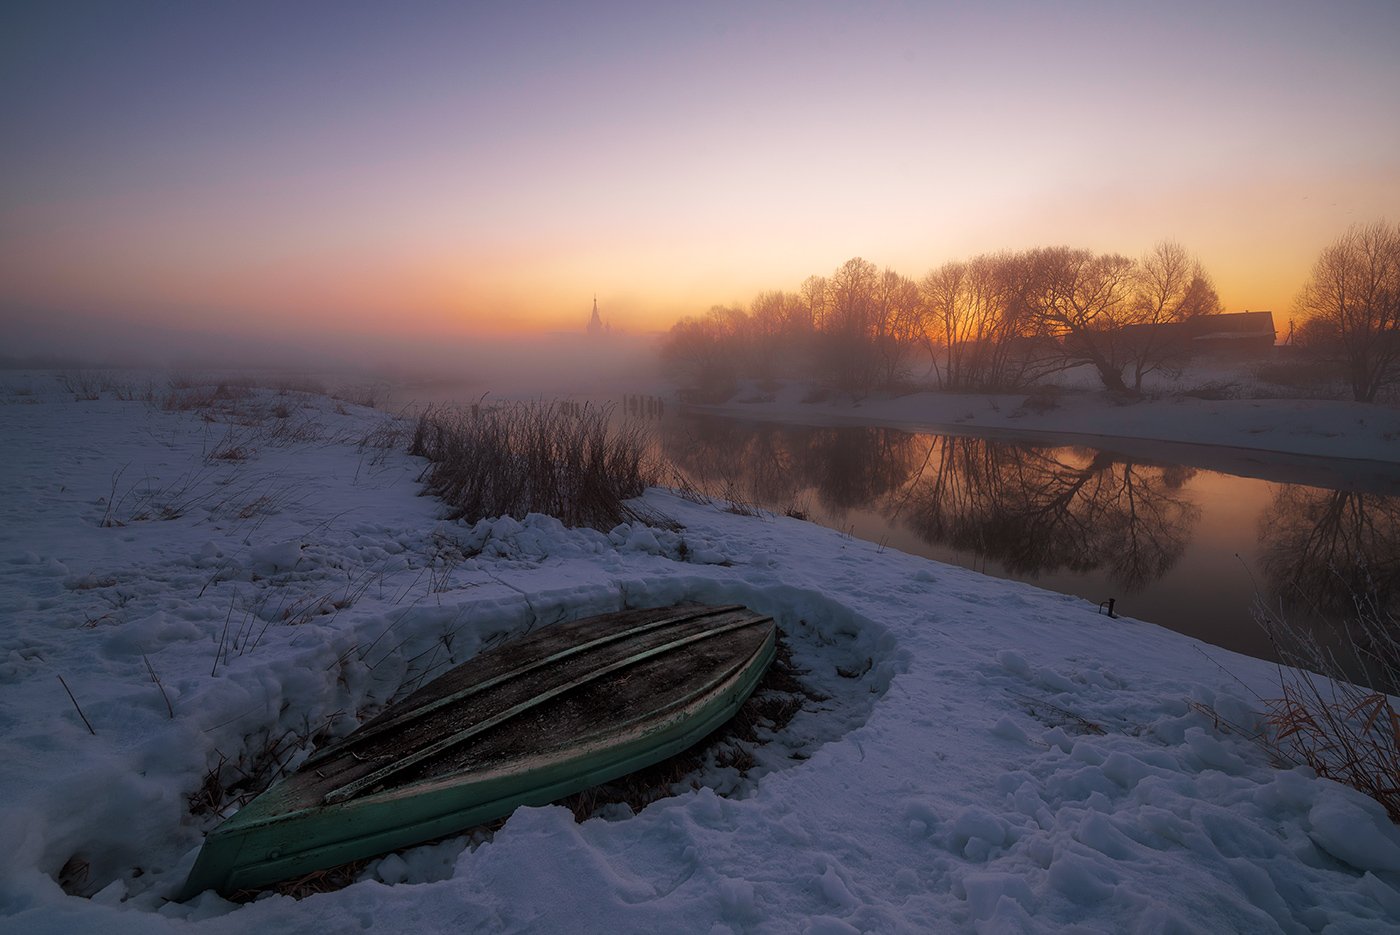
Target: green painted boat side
293,828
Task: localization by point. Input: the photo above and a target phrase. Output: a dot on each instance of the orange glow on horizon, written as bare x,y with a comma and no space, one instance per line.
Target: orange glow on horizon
504,168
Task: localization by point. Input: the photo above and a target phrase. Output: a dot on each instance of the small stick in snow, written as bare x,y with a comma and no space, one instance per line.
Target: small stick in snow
223,636
156,678
75,705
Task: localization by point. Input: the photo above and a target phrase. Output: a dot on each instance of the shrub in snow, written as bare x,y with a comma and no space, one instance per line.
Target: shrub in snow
569,462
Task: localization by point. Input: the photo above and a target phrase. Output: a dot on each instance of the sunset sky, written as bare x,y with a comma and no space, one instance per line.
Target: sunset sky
441,169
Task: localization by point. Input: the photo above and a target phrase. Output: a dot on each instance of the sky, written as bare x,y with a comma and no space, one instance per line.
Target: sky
426,171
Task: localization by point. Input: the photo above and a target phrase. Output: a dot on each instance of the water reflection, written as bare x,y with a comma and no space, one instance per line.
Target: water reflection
780,467
1329,547
1033,509
1037,510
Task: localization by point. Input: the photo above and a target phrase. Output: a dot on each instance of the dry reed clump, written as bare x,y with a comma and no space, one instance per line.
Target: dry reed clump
370,397
519,458
304,386
83,384
185,395
1345,731
237,781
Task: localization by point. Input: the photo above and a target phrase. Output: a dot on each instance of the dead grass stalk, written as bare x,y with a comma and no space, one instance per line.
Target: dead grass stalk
519,458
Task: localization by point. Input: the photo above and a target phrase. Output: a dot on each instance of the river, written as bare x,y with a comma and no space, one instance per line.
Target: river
1198,541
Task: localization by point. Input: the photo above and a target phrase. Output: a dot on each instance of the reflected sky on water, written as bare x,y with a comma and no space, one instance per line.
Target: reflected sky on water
1185,547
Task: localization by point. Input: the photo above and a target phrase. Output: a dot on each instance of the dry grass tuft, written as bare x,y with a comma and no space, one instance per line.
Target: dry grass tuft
187,394
686,489
797,509
519,458
310,884
237,781
231,453
74,876
370,397
85,385
1345,731
306,386
144,500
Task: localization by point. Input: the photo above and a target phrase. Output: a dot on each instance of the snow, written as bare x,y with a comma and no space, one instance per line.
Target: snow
989,756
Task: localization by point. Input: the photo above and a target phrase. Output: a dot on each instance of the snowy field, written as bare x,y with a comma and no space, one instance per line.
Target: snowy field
988,757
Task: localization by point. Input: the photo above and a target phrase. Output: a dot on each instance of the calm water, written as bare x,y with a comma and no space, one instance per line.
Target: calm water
1181,545
1189,537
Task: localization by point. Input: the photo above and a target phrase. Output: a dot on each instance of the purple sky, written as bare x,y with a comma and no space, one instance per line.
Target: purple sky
445,168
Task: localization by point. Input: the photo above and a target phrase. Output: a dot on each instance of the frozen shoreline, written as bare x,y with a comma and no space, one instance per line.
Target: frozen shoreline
1003,758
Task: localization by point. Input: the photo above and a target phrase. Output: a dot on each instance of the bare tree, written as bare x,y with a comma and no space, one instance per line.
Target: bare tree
813,303
1169,287
848,356
944,293
1351,307
1082,300
898,325
971,310
770,331
708,354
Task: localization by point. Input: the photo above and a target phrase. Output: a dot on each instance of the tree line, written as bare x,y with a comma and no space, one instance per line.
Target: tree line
1004,321
1000,321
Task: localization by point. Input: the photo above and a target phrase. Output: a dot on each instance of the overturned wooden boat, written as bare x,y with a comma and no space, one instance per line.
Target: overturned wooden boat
567,707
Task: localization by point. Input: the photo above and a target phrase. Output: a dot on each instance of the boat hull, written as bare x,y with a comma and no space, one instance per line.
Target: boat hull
568,708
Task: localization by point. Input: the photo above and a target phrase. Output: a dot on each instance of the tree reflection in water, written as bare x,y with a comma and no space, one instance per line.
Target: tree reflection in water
1328,548
1034,509
1041,509
778,466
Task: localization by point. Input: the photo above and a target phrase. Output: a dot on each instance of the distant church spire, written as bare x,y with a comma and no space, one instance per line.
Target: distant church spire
595,324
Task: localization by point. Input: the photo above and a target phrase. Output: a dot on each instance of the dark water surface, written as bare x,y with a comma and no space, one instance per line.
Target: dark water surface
1189,547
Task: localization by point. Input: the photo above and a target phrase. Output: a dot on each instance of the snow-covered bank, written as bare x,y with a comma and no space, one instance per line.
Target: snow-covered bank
1325,428
990,757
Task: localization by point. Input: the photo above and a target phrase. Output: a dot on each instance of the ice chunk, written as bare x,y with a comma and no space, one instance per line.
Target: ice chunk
1014,663
986,890
1080,880
642,539
835,890
1355,830
1007,729
736,899
1212,752
829,925
276,556
392,869
975,831
1054,681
